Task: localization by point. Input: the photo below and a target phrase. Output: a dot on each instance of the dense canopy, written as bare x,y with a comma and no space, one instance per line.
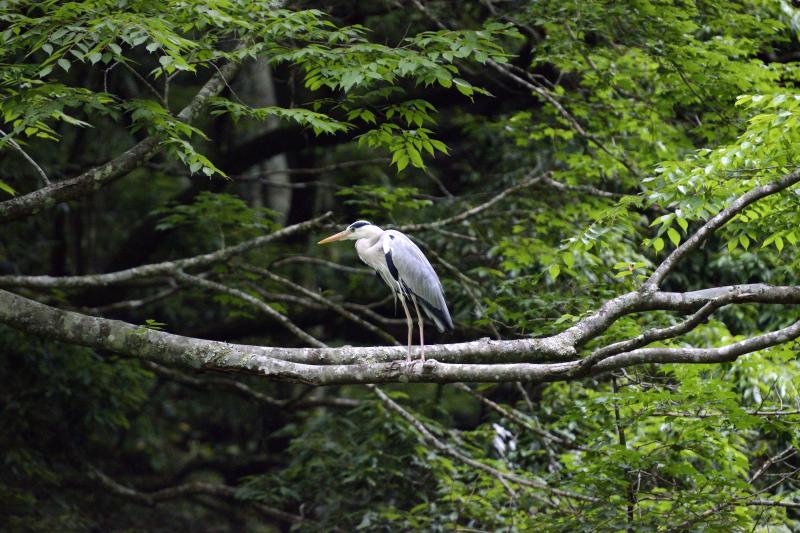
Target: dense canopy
607,191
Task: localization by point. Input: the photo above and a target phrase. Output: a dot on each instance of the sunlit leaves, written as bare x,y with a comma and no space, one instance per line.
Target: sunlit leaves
175,134
318,122
32,110
406,146
383,202
427,59
218,214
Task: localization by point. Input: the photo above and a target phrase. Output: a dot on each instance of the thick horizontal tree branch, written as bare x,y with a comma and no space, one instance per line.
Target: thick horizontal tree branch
722,354
380,364
642,300
101,176
772,503
165,268
658,334
765,413
344,364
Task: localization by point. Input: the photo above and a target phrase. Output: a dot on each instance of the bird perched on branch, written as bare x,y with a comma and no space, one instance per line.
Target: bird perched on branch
406,271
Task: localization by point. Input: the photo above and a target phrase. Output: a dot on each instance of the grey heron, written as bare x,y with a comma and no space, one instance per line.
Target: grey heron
405,269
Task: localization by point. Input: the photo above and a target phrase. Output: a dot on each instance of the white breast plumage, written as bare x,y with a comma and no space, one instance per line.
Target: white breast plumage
405,269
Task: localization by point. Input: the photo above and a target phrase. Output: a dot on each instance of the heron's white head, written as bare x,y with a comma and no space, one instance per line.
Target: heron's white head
360,229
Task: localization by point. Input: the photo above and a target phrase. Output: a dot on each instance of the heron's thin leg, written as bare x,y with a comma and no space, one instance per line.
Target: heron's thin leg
410,324
421,336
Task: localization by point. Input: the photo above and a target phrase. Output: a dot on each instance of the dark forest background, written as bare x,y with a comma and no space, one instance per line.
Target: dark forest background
545,155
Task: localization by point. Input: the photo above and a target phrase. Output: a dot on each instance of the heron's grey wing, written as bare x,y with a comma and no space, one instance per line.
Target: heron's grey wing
409,266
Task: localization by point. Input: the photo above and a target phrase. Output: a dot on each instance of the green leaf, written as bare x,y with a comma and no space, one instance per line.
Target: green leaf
744,240
414,155
7,188
402,162
674,236
464,87
63,63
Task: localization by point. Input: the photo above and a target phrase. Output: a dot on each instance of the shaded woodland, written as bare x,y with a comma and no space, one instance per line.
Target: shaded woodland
607,191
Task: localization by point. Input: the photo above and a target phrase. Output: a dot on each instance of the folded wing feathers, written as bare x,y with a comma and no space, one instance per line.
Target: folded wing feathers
411,268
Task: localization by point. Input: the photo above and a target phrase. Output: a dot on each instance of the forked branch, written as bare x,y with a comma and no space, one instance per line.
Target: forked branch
100,176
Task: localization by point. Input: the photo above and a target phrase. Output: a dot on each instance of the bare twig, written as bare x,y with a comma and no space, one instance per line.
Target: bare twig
324,301
318,261
15,145
473,211
147,84
101,176
519,418
377,317
775,459
246,391
716,222
586,189
135,303
431,439
151,499
438,183
252,300
157,269
314,170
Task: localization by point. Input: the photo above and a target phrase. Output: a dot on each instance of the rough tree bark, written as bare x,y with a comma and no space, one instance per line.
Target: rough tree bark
554,358
101,176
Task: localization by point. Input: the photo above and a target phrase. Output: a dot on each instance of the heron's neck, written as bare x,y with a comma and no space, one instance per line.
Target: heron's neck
372,234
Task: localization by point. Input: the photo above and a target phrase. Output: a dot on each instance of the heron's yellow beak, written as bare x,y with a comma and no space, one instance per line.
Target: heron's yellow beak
338,237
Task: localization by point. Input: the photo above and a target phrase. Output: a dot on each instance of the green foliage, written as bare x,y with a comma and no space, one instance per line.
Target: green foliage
385,202
649,116
318,122
62,401
218,213
368,467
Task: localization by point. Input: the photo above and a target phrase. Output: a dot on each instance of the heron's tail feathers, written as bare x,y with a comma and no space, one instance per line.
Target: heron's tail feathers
440,317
